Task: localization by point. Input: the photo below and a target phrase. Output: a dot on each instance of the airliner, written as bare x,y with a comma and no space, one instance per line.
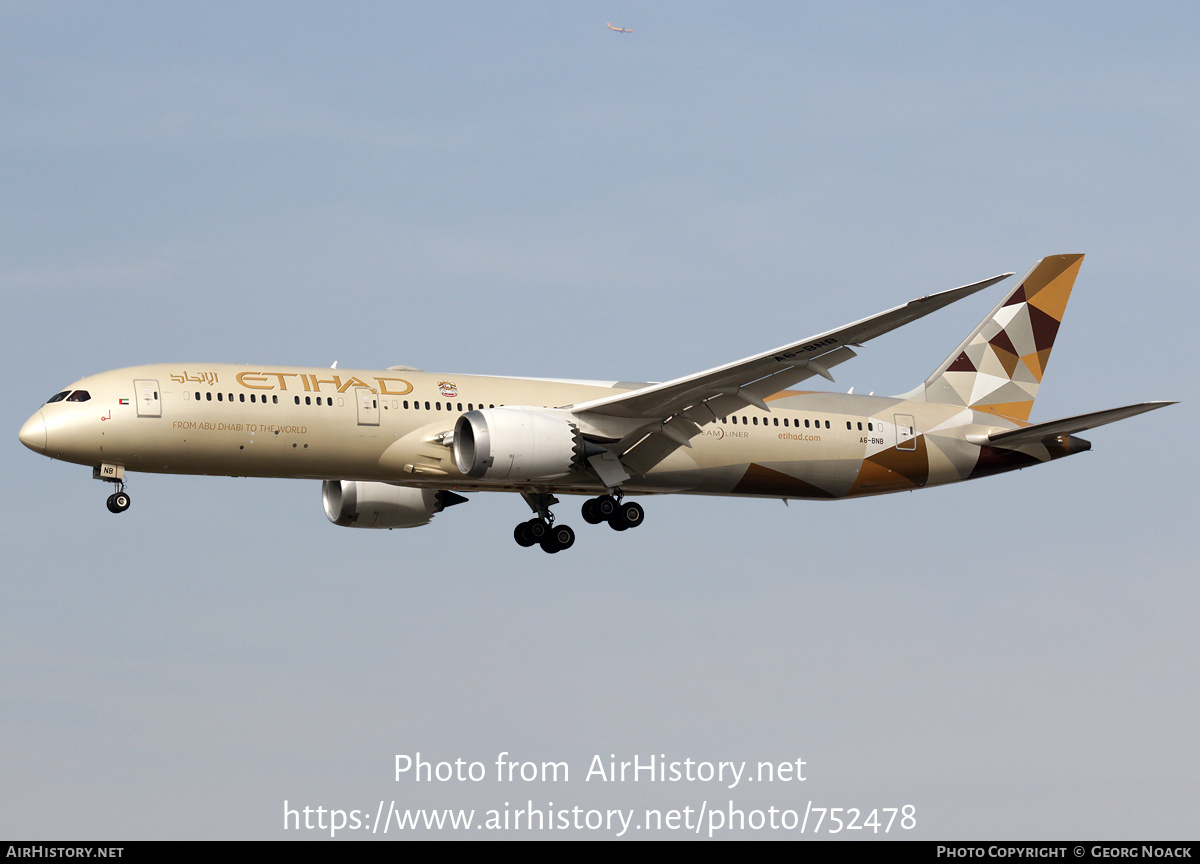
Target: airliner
393,447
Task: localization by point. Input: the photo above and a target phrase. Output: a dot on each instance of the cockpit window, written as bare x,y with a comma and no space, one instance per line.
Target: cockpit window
58,397
79,396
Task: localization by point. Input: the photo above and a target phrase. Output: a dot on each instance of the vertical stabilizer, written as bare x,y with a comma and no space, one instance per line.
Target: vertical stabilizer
999,366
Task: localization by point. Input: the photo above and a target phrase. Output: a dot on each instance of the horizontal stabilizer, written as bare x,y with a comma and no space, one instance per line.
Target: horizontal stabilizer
1066,426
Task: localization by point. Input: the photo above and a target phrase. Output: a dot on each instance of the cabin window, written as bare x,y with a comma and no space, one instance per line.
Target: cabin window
219,397
241,397
307,400
297,400
870,427
438,405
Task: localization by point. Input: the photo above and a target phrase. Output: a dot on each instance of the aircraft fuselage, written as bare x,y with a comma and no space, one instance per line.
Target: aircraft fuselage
383,425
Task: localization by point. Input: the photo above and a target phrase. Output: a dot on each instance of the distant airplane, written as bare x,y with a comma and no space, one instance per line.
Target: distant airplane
618,29
393,447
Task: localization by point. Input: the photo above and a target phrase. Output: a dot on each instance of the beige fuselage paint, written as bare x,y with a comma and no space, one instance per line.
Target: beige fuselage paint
383,425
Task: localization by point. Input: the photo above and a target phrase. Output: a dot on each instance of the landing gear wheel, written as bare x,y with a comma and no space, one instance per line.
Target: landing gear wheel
118,502
626,516
606,506
558,538
529,533
521,535
591,513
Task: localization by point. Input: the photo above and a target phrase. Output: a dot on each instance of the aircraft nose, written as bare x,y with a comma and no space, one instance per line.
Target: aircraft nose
33,433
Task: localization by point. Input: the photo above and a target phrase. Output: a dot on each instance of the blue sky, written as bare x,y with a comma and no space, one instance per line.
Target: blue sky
519,190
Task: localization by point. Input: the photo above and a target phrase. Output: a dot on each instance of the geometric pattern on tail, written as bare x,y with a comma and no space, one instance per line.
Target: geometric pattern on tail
1000,365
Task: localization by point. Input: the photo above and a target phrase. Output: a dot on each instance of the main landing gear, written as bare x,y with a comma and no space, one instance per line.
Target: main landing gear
552,538
542,531
618,515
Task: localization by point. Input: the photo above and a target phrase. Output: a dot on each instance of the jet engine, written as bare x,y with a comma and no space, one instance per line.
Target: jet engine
362,504
518,444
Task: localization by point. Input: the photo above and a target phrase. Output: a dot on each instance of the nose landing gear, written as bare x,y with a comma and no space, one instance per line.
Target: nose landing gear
118,502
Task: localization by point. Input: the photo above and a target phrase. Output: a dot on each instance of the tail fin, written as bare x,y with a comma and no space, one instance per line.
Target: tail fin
999,366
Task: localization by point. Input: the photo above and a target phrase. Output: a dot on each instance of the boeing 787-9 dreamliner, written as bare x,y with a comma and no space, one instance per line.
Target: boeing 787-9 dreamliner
393,447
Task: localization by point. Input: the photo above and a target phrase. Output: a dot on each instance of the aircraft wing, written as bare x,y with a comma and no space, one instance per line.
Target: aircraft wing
675,410
1067,426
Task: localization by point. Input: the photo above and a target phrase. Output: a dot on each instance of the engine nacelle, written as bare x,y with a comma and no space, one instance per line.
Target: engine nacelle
363,504
517,444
